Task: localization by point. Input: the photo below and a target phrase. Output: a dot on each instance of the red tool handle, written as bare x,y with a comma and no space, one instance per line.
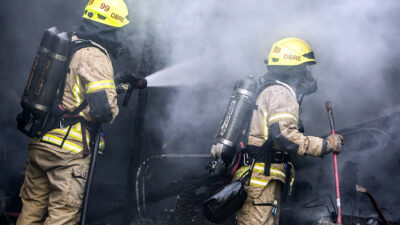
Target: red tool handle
328,105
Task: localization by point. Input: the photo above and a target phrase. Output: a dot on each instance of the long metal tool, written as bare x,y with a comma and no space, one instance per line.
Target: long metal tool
328,106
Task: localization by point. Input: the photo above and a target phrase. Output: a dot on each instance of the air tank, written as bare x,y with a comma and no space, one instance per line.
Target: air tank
48,70
236,117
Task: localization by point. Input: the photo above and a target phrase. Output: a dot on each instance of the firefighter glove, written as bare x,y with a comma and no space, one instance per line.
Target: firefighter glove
134,82
125,77
216,152
23,118
334,143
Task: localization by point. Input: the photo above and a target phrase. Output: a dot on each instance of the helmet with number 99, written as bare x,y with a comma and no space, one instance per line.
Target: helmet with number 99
109,12
290,52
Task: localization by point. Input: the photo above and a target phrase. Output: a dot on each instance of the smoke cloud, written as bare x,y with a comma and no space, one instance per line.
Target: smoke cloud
354,42
203,47
208,45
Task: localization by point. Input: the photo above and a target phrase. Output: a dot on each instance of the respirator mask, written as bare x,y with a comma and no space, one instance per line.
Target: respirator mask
308,84
117,49
110,38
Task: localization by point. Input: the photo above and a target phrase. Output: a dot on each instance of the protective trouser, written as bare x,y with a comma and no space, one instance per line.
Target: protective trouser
263,194
262,205
56,169
53,188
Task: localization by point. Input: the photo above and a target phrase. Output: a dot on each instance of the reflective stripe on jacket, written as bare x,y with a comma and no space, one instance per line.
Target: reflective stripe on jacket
277,118
258,179
90,74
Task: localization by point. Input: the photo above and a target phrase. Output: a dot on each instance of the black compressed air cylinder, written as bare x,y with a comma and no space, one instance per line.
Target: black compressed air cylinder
38,71
60,48
237,114
47,71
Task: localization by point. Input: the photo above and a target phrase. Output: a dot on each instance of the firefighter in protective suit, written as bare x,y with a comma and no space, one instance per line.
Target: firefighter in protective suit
58,161
276,120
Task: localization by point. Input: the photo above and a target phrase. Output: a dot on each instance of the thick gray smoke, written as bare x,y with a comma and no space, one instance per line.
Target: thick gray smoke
205,46
208,45
354,42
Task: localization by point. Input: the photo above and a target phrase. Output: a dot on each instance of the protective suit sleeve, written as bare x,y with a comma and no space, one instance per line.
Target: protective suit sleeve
282,110
96,73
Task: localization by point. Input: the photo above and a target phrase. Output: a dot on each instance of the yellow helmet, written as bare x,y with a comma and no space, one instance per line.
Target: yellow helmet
109,12
290,52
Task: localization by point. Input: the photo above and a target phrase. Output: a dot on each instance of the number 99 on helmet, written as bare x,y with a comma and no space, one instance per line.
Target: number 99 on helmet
109,12
290,52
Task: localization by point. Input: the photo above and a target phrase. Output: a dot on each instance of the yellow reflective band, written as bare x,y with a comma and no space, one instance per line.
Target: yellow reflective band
52,139
77,127
72,147
277,172
77,133
102,144
259,167
282,116
264,127
258,182
239,173
73,133
58,141
77,91
292,177
99,85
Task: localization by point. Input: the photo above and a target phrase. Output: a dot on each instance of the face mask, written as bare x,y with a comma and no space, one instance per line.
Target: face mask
117,52
308,85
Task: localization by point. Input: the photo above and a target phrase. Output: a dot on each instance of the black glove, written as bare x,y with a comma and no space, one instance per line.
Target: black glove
125,77
134,82
24,118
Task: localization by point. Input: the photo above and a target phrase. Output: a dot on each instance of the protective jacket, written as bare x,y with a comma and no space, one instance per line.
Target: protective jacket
90,77
57,168
275,117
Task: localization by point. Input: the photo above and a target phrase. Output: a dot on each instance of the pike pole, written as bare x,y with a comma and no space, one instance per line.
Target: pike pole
328,106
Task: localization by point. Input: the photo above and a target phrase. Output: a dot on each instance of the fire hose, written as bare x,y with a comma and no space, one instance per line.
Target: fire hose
141,207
